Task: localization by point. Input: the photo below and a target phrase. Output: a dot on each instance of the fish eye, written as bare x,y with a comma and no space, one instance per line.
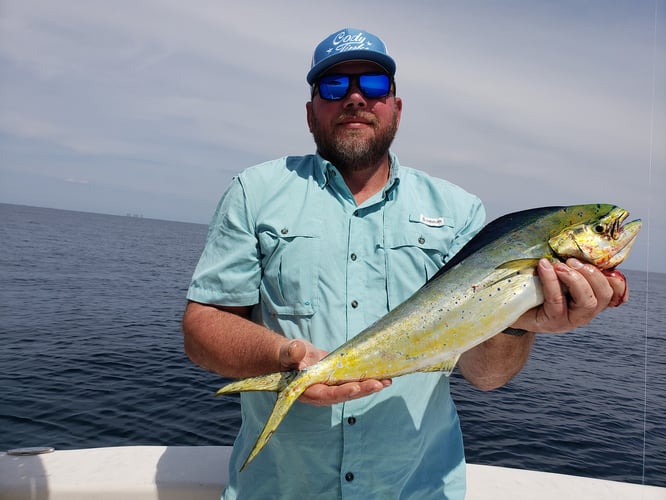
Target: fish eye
599,229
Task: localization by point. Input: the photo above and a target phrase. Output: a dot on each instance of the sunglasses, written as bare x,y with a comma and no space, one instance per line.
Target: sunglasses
371,85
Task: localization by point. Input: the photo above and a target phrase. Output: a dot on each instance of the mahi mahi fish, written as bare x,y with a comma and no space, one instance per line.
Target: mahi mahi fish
482,290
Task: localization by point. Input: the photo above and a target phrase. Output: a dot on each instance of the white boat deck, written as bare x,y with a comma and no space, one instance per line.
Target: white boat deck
200,472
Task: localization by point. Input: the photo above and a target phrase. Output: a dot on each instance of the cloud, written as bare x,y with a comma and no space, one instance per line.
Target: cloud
524,103
72,180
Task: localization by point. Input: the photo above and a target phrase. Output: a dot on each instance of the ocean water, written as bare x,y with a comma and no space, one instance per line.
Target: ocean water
91,355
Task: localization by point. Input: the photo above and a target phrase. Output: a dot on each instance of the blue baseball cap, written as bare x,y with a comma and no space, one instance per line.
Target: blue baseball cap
349,44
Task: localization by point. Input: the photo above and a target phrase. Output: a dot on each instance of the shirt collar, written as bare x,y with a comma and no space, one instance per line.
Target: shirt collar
323,169
394,175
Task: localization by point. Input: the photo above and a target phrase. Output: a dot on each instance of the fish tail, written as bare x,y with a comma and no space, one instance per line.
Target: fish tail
275,382
288,386
285,400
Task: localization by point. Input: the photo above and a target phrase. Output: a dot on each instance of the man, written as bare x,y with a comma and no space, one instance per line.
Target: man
305,252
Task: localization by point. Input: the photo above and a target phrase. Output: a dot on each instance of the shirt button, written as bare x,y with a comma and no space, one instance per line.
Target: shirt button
352,256
351,420
354,304
284,230
421,240
349,476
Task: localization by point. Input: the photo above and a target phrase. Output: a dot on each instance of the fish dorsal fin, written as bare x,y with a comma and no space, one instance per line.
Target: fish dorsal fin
445,366
493,231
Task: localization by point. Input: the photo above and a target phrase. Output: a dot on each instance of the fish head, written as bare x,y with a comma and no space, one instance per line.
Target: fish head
599,237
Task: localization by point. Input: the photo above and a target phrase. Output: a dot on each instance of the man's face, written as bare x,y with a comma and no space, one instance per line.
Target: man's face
354,132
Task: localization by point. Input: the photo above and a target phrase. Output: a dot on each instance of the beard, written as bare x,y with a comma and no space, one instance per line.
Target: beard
352,149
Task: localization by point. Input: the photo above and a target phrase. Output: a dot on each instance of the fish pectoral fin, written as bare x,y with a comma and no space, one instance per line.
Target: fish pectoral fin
445,366
520,266
507,270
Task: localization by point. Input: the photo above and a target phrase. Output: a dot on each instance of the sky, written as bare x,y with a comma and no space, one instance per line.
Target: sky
151,106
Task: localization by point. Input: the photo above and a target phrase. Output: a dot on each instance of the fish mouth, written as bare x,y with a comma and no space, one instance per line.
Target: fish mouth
620,237
616,226
604,242
625,236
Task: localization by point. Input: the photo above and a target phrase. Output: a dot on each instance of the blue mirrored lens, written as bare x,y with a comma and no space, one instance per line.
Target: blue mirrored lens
333,87
372,85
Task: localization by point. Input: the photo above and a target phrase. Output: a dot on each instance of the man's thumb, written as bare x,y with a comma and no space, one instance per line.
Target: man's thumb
293,353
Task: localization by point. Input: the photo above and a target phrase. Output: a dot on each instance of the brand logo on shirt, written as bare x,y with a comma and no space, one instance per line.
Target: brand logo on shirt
432,221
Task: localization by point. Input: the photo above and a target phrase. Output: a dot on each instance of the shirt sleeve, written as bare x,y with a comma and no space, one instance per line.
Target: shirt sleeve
228,272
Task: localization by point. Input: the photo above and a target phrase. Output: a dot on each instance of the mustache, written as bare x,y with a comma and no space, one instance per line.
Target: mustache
357,115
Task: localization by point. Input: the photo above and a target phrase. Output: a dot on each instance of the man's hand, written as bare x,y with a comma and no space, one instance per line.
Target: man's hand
297,354
574,294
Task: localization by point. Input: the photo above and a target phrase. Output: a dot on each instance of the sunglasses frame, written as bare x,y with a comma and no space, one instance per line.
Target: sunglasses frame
357,78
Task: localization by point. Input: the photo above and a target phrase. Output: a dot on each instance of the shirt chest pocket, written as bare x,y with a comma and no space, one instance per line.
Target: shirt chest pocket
414,253
290,262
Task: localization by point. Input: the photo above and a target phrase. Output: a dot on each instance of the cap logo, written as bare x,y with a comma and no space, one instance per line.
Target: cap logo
349,44
344,42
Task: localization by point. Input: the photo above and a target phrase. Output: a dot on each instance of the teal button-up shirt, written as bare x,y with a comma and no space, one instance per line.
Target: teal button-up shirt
289,238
